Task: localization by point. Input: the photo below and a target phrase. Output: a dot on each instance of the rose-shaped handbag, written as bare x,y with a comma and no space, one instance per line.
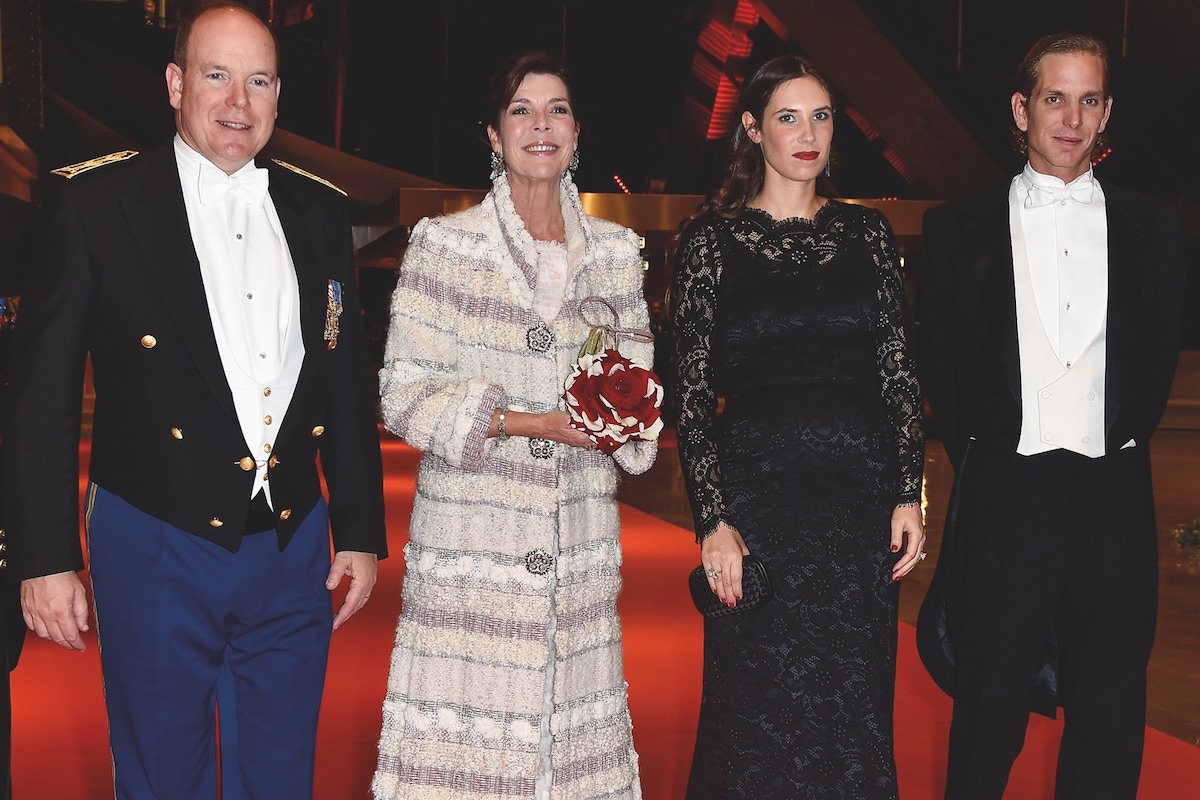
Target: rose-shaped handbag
611,397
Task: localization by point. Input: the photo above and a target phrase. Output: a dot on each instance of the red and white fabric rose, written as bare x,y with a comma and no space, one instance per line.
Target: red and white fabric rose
614,399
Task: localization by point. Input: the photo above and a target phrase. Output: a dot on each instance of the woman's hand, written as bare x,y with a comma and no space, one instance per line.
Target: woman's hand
721,555
908,531
552,425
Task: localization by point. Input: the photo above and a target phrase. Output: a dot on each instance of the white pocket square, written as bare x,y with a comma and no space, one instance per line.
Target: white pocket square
1128,444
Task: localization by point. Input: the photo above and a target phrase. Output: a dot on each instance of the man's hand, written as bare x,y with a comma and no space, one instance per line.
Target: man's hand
55,607
362,568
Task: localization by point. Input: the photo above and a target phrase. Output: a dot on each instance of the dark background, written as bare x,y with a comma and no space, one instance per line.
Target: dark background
414,75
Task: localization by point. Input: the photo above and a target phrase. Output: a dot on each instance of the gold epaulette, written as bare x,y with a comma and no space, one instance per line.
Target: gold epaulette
90,164
307,174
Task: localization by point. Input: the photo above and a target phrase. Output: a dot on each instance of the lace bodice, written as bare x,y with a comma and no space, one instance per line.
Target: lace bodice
798,344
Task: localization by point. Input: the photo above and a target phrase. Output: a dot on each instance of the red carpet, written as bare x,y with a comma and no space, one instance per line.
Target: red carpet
60,739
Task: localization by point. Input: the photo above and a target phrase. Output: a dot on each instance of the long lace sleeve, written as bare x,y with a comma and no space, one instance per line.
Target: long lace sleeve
901,391
693,304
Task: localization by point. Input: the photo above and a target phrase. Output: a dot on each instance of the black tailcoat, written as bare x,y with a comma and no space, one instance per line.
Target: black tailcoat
968,311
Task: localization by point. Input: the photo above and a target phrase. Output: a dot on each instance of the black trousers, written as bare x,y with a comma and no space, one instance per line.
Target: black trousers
1063,544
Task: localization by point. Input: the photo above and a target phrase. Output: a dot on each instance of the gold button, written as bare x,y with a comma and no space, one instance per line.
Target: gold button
246,464
272,461
317,431
177,433
267,447
3,547
1,533
3,563
287,512
148,341
267,392
216,522
267,419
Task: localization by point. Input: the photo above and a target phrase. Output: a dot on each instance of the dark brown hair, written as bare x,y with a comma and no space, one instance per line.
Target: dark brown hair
183,33
745,168
1030,70
507,79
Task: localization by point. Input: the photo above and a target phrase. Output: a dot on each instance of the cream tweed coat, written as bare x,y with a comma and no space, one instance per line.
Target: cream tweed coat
506,677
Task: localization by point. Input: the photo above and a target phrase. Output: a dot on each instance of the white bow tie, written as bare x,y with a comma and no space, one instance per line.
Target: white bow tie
1081,191
250,186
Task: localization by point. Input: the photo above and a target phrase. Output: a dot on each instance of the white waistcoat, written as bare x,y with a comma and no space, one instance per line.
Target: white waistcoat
1062,406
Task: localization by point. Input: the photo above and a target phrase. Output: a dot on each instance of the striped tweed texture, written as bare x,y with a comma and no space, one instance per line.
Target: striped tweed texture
506,677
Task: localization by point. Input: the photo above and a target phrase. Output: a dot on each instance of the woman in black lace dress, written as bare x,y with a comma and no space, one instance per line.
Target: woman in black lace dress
789,306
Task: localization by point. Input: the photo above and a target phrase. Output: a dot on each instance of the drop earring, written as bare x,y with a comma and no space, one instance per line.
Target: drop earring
829,167
497,165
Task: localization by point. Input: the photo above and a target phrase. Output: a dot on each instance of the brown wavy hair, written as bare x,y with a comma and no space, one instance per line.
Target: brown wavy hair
507,79
745,168
1030,70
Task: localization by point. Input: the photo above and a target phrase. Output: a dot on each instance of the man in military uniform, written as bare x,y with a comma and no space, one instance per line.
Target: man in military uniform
216,299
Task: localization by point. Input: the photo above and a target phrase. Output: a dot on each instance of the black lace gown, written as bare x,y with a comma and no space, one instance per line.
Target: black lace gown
798,326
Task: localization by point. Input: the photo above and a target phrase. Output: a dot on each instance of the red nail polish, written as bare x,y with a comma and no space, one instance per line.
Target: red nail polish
895,548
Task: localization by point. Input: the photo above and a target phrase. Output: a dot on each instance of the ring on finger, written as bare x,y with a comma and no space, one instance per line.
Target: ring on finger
712,572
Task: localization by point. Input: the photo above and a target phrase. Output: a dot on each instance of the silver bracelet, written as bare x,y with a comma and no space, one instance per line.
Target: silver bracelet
501,428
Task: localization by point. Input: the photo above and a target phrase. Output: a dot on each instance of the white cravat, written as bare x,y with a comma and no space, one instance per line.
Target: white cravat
248,184
1043,193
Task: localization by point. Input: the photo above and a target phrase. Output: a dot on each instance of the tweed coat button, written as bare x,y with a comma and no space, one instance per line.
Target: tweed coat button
177,433
539,338
318,430
538,562
149,341
246,464
287,512
216,522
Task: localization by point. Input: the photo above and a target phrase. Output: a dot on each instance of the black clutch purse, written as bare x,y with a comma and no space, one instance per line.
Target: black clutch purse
756,589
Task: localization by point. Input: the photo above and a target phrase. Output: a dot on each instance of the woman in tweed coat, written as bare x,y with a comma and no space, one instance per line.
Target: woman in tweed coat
506,677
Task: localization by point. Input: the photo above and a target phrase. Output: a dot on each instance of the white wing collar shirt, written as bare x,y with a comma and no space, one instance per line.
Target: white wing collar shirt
252,294
1071,286
1060,241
